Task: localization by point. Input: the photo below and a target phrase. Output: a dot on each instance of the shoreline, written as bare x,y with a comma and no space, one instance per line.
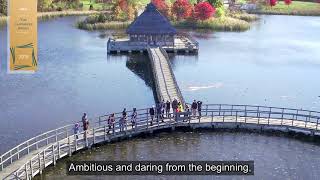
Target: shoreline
225,24
53,14
281,13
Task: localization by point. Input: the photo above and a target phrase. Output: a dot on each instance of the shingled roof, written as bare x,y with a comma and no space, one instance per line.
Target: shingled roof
151,21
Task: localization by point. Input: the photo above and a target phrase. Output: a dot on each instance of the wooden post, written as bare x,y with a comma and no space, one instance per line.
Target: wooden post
258,114
69,145
18,153
236,116
317,123
105,133
206,110
223,117
86,138
147,119
99,121
59,150
282,116
31,169
231,109
219,109
11,155
47,139
44,159
75,144
245,114
1,163
39,161
269,115
53,156
26,170
211,117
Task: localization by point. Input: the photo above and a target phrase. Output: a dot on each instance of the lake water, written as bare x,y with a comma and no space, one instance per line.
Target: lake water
275,63
274,157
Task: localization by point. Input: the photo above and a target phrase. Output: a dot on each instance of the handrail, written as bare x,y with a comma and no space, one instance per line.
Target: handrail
165,81
174,78
160,97
210,110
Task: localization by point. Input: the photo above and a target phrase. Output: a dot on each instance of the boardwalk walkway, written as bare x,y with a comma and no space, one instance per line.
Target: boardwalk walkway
166,84
62,143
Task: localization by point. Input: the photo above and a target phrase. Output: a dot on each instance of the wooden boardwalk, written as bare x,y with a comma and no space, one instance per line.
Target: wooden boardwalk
182,44
212,116
166,84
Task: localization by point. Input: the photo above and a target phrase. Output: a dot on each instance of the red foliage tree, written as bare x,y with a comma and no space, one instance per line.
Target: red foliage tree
288,2
203,11
273,3
162,6
123,5
182,9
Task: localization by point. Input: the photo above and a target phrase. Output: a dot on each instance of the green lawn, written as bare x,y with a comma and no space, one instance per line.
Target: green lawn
96,6
295,8
297,5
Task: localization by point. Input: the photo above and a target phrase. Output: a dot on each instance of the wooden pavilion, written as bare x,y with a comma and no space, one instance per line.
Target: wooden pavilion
151,28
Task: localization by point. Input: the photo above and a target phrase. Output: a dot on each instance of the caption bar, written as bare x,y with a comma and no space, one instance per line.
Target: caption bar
160,168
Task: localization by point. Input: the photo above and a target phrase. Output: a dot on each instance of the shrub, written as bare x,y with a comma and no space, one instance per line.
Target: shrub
182,9
91,7
204,11
220,12
288,2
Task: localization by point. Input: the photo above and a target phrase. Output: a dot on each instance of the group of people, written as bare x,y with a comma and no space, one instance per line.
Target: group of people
158,112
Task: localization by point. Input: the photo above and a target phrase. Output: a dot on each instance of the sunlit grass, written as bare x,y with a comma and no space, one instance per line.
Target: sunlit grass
295,8
216,24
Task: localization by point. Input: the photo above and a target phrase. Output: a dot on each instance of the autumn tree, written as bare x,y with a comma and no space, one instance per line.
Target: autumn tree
162,6
288,2
204,11
182,9
273,3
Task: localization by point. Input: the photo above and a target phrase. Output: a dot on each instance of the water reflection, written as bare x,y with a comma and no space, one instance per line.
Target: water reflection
275,157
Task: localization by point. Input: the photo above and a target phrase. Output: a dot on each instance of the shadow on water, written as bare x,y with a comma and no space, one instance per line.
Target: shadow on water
140,65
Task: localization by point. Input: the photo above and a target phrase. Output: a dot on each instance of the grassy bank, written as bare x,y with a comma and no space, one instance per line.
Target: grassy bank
244,16
216,24
50,15
296,8
102,26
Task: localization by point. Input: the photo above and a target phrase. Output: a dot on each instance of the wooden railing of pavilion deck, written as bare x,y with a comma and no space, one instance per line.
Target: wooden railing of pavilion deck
212,114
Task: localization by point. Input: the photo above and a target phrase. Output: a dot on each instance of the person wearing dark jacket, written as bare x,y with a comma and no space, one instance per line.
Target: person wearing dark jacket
167,109
174,105
194,107
151,112
199,104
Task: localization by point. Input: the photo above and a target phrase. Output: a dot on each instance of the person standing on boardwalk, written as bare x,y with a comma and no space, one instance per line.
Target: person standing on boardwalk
111,121
194,107
76,130
84,119
158,112
124,115
134,118
151,112
85,128
174,105
199,104
167,109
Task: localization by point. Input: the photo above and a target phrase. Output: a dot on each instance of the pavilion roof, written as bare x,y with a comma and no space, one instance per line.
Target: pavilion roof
151,21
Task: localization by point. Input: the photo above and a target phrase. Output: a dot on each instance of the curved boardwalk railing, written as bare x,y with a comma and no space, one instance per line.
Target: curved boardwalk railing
47,148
